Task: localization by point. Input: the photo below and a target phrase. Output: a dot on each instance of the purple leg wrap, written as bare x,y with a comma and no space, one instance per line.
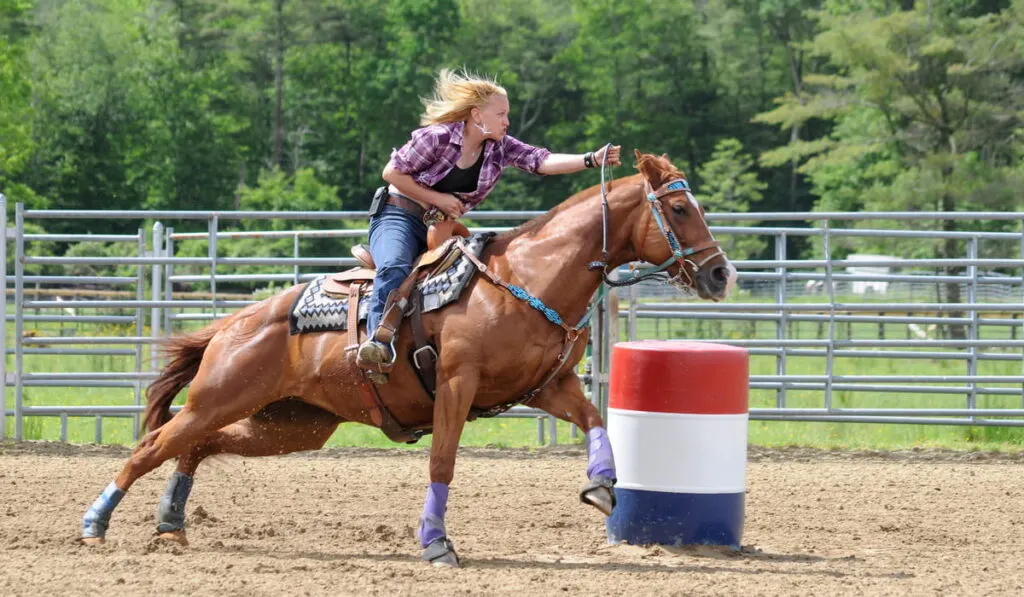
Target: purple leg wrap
432,521
599,454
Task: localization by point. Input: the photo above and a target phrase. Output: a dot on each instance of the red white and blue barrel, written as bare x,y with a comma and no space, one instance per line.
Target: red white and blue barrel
677,422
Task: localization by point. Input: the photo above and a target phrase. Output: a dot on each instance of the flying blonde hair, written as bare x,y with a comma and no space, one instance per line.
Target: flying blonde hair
455,94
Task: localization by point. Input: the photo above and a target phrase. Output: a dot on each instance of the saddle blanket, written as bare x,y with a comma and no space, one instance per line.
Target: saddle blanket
314,311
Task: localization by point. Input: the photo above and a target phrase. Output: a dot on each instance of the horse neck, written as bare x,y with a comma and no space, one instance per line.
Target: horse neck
550,257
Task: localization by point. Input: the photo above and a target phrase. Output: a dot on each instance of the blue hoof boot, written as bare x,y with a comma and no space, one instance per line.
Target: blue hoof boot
97,517
441,553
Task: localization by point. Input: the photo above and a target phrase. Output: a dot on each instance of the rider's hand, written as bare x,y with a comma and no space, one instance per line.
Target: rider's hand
450,205
613,155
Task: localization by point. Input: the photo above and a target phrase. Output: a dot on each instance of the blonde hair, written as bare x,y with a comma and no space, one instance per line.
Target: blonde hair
455,94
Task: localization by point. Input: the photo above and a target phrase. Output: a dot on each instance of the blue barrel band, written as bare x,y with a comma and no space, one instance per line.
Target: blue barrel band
656,517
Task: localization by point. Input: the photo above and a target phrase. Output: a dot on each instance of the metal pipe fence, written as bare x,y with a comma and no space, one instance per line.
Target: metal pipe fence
153,303
822,333
866,356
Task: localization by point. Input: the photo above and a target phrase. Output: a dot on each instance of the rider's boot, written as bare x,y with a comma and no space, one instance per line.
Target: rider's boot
376,354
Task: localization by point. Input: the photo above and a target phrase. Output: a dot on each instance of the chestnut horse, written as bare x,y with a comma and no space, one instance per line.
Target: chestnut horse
256,390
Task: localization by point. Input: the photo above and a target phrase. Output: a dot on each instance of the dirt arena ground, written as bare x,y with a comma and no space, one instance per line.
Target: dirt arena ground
340,522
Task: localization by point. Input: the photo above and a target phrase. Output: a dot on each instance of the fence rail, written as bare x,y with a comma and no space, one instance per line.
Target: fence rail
823,333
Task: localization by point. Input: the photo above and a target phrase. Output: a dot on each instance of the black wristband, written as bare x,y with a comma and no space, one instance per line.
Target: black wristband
588,159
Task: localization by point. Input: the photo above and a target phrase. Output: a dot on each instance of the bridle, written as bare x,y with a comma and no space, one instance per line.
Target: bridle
680,255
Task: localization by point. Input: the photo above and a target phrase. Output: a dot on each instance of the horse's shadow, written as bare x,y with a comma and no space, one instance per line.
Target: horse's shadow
526,563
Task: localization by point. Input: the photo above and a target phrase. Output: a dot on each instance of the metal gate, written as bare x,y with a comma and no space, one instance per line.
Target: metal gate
787,312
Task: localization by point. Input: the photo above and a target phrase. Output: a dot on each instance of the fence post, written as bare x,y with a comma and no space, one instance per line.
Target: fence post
1022,300
597,326
633,297
156,292
3,325
295,253
606,348
612,297
831,346
972,332
168,286
19,321
140,330
213,264
783,321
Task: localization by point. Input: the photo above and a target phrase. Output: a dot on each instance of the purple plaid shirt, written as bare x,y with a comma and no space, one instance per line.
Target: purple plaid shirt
432,151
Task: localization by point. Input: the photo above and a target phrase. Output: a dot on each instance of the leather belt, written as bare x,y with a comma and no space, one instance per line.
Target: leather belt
407,204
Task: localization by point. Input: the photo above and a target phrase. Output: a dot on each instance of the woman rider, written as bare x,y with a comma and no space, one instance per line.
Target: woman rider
449,165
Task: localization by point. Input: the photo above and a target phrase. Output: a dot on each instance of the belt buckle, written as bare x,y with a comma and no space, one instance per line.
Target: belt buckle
433,216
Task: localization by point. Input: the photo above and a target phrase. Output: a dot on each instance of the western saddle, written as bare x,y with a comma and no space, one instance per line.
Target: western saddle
353,284
442,251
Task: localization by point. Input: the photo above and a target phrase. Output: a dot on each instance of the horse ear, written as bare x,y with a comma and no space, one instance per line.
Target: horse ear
648,166
637,154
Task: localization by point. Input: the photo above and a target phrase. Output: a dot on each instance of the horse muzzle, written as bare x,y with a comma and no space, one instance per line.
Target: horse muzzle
716,281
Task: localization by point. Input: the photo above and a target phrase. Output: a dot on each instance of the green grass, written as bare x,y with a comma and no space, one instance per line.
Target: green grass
505,432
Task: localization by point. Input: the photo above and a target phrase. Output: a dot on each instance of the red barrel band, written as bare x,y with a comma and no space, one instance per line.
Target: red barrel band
679,377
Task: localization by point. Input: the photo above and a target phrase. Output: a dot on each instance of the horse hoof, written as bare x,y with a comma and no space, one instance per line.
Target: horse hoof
599,493
441,553
174,537
92,540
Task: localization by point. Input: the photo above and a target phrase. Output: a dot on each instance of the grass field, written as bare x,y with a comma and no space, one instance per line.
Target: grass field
505,432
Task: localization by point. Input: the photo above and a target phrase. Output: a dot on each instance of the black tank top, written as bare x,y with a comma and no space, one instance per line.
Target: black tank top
459,180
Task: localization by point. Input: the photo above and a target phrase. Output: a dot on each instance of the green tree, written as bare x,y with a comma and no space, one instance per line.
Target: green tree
644,81
120,119
927,107
16,142
731,186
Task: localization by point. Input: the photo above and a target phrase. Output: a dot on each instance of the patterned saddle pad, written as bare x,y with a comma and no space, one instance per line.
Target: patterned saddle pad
314,311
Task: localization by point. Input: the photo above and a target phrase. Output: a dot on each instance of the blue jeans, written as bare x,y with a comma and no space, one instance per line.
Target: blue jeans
397,238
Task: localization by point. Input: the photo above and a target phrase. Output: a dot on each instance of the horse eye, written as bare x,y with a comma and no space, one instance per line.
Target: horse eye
678,208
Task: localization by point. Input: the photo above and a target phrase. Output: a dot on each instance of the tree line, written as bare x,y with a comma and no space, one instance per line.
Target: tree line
768,105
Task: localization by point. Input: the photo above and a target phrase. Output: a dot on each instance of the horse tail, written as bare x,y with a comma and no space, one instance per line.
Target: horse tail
186,354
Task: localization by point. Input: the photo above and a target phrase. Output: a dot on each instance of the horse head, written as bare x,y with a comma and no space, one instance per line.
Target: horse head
674,235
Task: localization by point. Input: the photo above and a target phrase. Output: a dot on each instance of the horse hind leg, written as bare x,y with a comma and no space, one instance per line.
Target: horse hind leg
217,397
282,427
169,441
239,373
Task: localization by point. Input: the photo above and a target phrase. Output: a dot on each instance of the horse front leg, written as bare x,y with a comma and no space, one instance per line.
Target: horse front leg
564,399
454,399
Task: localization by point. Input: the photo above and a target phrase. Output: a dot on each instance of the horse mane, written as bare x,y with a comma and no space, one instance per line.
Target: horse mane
650,162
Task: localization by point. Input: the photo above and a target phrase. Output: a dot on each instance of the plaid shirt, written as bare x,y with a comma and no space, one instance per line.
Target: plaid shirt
432,151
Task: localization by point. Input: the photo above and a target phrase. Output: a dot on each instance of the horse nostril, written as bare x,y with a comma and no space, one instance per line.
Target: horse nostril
720,274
